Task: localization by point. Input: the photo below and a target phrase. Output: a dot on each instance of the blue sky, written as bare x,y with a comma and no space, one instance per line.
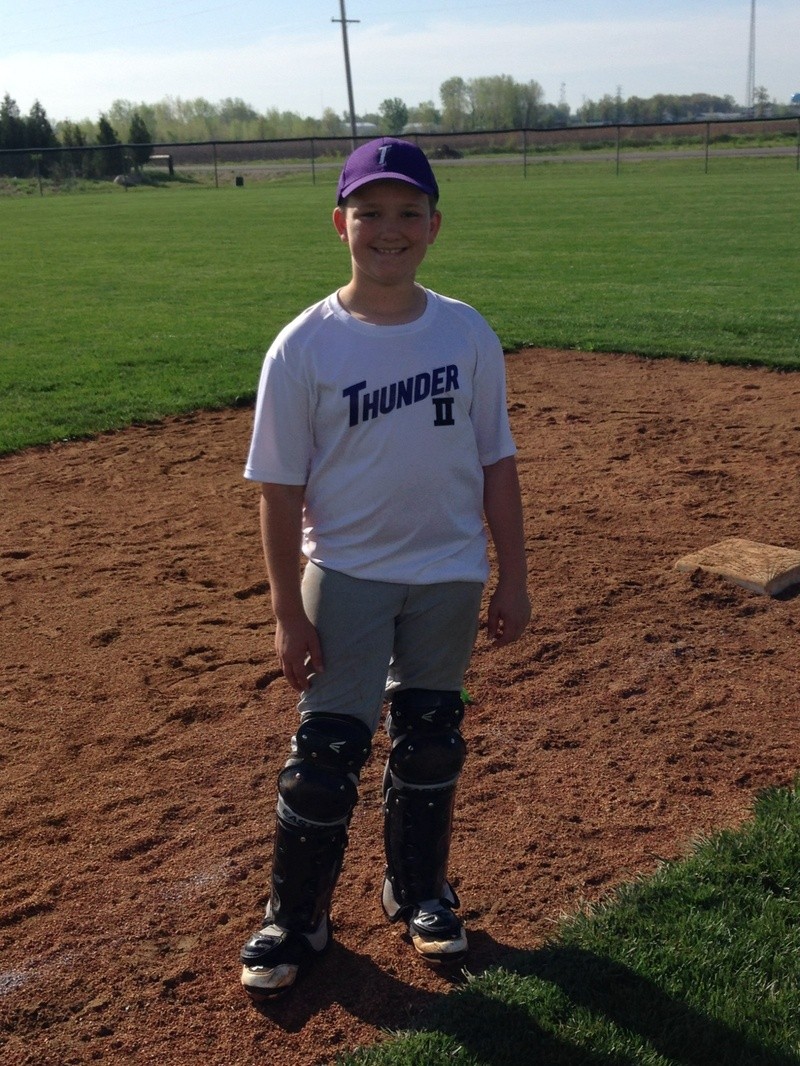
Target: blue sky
78,56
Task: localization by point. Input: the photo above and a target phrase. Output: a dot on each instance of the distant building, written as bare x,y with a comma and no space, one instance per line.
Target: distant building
420,127
720,116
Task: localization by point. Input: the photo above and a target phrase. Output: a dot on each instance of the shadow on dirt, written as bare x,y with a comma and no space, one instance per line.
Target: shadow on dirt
369,993
358,984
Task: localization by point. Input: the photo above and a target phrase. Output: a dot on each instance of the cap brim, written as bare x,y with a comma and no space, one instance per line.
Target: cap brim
387,176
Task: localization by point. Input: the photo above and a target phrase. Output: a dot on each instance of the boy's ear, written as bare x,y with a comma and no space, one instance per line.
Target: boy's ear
340,223
436,224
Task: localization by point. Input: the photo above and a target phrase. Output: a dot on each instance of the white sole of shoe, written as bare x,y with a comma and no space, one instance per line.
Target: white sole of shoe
440,950
267,983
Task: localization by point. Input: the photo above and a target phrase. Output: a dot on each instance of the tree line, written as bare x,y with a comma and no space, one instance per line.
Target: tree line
34,132
486,103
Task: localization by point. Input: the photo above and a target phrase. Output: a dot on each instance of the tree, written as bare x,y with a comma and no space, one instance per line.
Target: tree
455,104
236,110
205,118
654,109
492,102
425,115
141,140
513,104
551,115
12,128
39,134
330,123
110,159
607,109
394,115
38,131
238,119
12,135
121,113
77,161
528,99
497,102
761,101
636,109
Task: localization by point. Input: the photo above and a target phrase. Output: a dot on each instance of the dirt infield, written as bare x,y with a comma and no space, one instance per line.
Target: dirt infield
143,721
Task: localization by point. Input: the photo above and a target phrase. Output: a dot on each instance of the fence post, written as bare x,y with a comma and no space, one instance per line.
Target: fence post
525,153
708,133
37,159
618,148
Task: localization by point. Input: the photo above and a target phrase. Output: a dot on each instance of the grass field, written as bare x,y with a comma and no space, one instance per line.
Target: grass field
697,966
124,306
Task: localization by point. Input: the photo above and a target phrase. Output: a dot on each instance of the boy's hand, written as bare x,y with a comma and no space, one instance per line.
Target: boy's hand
509,613
299,652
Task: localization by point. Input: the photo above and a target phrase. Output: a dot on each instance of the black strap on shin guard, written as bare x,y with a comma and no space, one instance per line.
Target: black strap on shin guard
317,791
305,868
427,755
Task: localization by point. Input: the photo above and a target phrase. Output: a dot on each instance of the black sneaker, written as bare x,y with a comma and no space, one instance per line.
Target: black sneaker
436,933
272,958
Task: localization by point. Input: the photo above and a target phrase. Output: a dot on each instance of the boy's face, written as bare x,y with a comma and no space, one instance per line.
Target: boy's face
388,227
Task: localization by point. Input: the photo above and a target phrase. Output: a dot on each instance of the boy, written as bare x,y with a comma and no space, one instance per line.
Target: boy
381,440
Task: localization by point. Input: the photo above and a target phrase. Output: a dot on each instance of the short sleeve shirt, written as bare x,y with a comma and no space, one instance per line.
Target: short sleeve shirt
388,428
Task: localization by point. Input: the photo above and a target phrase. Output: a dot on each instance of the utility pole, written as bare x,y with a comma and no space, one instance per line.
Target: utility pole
344,21
750,94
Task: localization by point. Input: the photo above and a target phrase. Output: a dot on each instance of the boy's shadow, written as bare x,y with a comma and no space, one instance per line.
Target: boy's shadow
500,1032
358,984
368,992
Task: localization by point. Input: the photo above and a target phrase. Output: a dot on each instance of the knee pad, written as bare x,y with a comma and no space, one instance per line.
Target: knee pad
427,745
318,786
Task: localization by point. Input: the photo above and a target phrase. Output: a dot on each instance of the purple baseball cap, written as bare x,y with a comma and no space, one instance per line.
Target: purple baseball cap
386,159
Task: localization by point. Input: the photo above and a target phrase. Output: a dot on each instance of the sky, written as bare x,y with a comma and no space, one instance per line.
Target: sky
76,57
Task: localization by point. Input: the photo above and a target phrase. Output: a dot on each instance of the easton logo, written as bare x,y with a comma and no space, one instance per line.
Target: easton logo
365,404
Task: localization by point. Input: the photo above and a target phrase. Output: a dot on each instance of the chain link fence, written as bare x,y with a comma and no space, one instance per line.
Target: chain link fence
318,159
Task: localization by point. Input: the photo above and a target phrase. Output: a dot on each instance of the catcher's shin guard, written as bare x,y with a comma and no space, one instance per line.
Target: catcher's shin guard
426,758
317,791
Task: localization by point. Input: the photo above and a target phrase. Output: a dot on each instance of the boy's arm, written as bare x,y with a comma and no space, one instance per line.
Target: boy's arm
296,640
509,606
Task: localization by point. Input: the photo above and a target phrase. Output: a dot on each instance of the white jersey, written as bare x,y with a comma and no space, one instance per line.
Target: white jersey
388,428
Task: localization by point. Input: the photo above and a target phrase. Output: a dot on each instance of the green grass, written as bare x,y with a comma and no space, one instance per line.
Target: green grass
663,260
124,306
699,964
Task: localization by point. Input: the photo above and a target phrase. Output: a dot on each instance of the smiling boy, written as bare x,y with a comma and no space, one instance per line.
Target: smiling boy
381,442
388,227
